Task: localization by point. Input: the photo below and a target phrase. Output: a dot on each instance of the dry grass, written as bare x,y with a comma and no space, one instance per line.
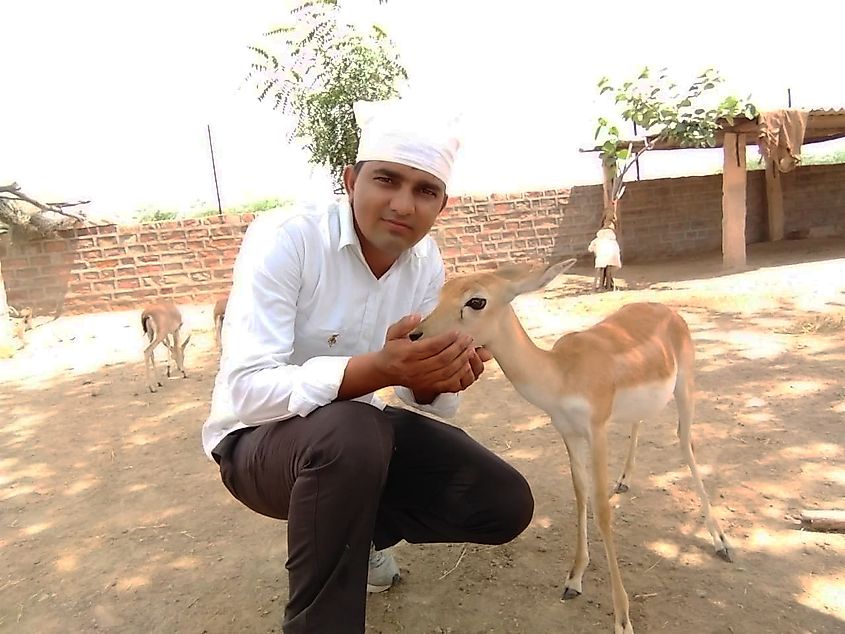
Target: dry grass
819,324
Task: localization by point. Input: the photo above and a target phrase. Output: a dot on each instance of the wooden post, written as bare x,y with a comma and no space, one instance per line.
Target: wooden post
733,201
774,201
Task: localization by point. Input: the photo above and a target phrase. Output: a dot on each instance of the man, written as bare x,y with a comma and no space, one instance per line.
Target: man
319,316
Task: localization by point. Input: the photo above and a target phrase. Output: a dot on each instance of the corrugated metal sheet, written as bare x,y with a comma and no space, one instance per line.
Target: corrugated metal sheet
826,112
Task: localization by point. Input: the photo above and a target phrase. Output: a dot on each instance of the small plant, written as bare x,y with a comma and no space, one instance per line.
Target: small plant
259,206
148,214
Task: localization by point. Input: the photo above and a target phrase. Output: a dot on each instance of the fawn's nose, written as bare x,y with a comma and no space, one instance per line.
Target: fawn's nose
415,335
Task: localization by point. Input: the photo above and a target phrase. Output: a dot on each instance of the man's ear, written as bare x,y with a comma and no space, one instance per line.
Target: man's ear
349,177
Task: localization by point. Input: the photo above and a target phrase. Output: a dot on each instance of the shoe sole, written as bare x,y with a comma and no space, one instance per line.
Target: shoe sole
373,589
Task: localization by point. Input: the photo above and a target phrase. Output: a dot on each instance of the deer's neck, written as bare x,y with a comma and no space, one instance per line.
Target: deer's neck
528,367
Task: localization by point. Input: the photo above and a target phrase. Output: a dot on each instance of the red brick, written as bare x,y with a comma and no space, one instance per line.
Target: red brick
88,255
84,243
88,275
103,286
129,283
55,246
15,262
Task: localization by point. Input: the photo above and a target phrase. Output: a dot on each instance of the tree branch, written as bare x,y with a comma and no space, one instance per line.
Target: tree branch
618,181
58,208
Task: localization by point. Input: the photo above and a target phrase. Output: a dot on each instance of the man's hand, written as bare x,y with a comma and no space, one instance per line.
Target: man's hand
445,363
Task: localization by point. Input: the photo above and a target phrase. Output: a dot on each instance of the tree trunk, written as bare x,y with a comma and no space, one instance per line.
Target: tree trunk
7,342
609,218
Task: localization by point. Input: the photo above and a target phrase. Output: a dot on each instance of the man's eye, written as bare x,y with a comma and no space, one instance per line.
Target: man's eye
384,179
476,303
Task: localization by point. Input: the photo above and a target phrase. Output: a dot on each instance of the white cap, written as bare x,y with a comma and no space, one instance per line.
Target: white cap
408,133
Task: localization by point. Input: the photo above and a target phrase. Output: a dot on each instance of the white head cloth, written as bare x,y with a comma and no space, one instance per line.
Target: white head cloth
408,133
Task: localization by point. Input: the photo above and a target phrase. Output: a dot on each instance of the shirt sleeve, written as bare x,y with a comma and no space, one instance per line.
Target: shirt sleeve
444,405
259,334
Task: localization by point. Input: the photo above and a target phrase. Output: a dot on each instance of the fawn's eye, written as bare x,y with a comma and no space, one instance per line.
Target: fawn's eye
476,303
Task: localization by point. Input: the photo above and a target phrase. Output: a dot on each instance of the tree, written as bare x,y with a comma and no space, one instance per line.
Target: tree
665,113
23,217
322,67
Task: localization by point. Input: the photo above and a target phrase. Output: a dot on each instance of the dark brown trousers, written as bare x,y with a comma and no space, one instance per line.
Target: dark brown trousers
350,474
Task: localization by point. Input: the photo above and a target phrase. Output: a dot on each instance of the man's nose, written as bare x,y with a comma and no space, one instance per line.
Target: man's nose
403,202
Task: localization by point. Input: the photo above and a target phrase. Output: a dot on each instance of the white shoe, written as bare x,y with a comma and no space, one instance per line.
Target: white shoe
383,571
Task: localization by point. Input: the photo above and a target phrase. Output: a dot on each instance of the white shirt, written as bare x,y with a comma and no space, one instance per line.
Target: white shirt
607,252
303,301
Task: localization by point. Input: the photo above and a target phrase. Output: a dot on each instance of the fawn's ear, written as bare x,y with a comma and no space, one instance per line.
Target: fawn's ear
539,275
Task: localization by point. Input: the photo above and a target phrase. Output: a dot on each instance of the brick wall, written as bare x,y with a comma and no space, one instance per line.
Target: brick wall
115,267
814,201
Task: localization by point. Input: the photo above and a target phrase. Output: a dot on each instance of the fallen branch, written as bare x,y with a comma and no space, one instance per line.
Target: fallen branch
57,208
823,520
455,567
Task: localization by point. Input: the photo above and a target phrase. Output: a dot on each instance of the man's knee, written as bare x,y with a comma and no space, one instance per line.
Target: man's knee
353,437
516,509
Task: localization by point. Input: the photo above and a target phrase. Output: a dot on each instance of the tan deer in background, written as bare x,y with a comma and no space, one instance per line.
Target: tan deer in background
24,320
219,314
162,324
624,369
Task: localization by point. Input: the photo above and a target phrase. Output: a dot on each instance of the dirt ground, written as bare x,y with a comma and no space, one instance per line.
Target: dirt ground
112,519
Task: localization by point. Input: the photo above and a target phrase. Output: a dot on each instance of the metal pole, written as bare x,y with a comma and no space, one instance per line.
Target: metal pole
789,97
637,161
214,169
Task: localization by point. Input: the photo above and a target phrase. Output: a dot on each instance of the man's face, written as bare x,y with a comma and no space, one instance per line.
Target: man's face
394,205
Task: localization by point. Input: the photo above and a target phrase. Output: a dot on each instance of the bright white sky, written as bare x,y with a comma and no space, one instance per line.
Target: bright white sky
110,100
